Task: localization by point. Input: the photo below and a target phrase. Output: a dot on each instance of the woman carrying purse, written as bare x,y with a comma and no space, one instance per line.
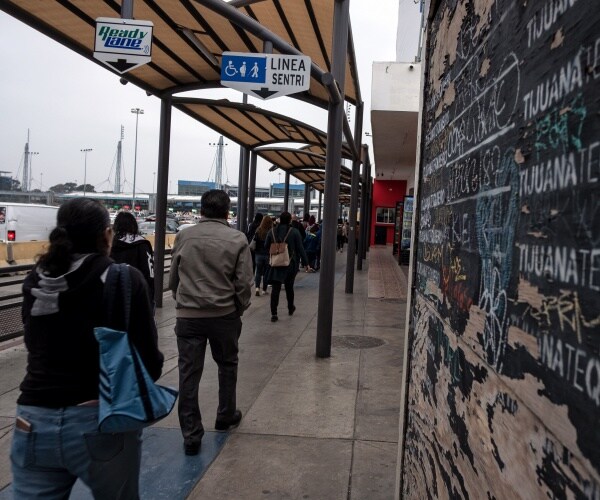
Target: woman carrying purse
56,438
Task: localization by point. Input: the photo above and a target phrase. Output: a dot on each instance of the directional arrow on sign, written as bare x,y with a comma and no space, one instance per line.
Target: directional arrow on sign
123,44
264,92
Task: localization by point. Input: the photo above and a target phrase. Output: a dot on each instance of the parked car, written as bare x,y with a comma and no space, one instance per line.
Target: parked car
148,227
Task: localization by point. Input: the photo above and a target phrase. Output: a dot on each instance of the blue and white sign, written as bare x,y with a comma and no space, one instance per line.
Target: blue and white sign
123,44
265,75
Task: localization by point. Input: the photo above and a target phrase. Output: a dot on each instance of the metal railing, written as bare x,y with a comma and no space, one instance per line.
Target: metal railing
11,324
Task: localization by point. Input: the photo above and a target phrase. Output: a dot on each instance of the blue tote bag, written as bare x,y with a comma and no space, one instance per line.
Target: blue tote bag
129,398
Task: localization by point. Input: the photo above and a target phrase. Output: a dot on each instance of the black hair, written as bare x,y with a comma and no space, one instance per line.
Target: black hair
80,226
285,218
125,223
214,204
258,217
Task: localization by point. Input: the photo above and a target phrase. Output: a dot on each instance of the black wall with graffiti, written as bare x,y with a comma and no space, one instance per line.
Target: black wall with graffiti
504,381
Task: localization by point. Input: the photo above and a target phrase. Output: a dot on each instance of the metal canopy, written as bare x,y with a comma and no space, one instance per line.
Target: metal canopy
189,38
250,126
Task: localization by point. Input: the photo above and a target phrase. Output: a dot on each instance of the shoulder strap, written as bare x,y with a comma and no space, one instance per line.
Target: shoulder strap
273,234
117,290
287,234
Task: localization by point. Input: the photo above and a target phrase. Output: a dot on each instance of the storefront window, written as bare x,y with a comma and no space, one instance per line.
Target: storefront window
385,215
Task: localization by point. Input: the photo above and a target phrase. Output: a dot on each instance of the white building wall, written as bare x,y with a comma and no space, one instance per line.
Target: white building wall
396,86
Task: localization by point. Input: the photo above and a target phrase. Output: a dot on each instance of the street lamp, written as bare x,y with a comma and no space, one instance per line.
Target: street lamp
85,152
137,112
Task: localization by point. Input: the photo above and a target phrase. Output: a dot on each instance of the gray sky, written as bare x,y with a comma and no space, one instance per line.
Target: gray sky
69,103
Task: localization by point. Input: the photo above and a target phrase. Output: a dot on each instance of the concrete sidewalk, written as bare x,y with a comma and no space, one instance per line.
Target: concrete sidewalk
312,428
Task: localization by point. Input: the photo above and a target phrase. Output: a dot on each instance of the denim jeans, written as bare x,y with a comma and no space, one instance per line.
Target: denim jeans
192,335
262,264
64,444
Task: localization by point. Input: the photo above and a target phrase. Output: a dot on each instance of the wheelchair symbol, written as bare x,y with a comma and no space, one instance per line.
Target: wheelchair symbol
230,69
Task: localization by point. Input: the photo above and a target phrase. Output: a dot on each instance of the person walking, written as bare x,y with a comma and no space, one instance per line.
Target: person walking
130,247
286,275
211,281
312,245
262,255
56,438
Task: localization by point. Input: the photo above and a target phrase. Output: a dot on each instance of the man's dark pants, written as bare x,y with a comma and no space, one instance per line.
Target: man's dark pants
222,334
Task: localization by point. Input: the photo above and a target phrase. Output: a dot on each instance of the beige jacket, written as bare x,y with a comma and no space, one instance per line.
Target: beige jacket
211,271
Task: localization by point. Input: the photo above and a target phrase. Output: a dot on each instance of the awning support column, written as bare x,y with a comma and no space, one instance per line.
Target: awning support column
286,193
306,209
164,146
363,208
320,206
332,182
252,187
354,202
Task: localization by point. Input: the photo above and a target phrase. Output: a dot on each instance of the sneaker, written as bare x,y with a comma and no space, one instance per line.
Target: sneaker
274,318
258,292
226,425
291,310
191,449
265,292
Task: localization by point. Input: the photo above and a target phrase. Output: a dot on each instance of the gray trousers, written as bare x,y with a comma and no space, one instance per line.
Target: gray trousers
192,335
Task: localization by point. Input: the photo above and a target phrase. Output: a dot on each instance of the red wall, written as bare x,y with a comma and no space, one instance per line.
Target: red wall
386,194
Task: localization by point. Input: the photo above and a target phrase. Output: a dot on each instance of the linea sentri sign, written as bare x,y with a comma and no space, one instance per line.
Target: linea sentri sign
123,44
265,75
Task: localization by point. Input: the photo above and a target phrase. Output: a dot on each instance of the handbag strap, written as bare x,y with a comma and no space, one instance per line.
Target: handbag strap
117,290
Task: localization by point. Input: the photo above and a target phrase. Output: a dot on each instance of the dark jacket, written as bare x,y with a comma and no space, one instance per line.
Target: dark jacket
295,250
59,316
136,251
261,248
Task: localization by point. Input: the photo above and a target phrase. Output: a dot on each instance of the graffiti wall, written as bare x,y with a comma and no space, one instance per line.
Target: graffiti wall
504,384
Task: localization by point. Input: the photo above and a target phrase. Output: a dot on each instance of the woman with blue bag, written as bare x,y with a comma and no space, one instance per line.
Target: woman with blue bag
56,438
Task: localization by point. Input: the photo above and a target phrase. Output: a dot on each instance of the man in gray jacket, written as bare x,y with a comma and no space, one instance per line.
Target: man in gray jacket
211,280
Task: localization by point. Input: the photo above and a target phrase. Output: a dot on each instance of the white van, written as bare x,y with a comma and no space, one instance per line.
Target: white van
26,221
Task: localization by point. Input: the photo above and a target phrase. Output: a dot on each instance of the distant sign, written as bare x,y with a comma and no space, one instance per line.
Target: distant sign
265,75
123,44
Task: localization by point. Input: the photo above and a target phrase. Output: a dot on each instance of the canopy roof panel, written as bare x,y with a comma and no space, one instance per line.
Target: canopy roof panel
177,62
250,126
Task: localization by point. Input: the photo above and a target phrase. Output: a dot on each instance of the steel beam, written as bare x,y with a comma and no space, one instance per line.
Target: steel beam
350,257
336,116
252,187
286,193
162,190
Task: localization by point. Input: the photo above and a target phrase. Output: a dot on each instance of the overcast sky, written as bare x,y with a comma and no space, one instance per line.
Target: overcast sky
69,103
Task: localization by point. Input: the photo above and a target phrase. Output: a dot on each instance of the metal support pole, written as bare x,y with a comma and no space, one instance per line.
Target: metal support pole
243,164
332,182
369,228
306,209
252,187
127,9
164,146
320,206
286,193
363,208
243,192
354,202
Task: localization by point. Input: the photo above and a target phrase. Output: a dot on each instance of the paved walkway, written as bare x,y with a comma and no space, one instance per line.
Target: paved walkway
312,428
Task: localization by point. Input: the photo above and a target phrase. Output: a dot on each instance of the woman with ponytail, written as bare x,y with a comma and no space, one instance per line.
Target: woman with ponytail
56,438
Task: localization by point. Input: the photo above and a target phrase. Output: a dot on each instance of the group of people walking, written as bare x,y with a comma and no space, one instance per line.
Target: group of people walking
212,276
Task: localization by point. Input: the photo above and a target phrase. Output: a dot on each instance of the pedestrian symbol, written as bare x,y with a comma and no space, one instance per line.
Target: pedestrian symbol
246,68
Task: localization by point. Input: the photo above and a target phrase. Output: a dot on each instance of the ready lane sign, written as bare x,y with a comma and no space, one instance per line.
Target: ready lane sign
265,75
123,44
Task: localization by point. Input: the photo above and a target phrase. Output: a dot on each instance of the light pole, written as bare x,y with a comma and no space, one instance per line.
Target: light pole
85,152
137,112
42,181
